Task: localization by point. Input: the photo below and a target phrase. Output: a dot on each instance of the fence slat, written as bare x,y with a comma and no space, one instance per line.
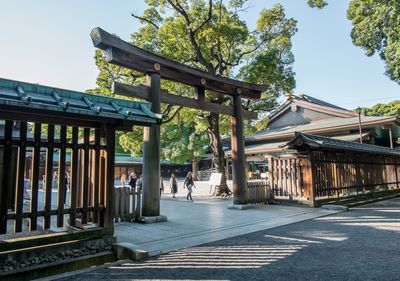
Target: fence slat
62,189
7,170
74,176
35,177
85,176
96,175
49,176
19,196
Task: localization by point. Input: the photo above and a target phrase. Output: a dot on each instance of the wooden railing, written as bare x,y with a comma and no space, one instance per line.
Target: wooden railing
127,203
258,192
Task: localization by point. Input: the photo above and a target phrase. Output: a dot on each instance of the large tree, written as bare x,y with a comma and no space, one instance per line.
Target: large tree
209,35
376,29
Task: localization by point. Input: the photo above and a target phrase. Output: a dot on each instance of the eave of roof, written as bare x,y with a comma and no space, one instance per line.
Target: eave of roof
324,126
320,143
27,96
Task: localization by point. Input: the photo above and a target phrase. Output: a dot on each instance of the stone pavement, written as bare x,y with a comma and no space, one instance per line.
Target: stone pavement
361,244
205,220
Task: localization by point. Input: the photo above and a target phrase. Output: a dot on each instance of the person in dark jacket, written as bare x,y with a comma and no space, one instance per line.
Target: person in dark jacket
189,184
173,184
132,180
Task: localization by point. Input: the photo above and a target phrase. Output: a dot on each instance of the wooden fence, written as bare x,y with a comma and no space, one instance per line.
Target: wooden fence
127,203
258,192
345,174
285,177
87,175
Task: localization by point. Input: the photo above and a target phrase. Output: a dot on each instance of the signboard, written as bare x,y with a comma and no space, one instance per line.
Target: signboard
215,178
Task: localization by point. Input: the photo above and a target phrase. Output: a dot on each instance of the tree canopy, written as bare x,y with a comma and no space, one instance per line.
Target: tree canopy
376,29
382,109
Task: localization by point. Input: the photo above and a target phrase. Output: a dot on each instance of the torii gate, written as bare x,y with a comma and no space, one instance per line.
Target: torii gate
156,67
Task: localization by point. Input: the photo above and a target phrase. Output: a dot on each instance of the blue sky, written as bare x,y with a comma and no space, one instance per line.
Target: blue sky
48,42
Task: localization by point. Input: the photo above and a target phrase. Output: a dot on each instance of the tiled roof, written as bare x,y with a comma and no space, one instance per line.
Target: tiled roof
319,142
323,124
32,96
319,102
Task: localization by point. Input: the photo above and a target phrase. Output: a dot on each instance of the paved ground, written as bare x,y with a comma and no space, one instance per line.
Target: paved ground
362,244
206,220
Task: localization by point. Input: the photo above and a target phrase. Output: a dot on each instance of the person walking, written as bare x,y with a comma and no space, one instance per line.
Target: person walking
173,184
161,186
189,184
123,179
132,180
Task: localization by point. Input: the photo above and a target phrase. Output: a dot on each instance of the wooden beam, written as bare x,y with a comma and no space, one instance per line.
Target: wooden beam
124,54
142,91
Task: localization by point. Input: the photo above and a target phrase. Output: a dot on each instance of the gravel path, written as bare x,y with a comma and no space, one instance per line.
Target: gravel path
361,244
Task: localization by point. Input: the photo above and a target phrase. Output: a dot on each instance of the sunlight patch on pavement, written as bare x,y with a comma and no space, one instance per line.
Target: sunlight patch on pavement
229,257
291,239
321,235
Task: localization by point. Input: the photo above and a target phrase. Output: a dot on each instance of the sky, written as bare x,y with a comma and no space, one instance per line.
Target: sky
48,42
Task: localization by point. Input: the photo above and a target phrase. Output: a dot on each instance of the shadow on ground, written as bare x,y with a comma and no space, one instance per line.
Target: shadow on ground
362,244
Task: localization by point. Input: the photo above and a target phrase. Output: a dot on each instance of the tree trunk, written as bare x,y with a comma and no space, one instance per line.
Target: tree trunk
195,168
218,152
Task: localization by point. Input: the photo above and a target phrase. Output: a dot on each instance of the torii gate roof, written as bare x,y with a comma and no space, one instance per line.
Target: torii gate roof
127,55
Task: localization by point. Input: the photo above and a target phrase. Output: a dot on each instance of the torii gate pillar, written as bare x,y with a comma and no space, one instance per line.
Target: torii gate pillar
238,155
151,155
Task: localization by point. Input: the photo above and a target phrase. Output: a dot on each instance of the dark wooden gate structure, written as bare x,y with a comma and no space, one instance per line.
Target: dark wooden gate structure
124,54
60,121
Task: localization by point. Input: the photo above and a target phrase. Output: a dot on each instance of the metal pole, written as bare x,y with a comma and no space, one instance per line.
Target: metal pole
391,137
359,123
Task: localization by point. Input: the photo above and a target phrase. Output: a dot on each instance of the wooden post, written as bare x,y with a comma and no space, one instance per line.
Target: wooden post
109,192
395,171
238,155
151,153
308,180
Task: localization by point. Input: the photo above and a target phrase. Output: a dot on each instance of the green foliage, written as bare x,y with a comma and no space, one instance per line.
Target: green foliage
376,28
381,109
182,142
317,3
272,64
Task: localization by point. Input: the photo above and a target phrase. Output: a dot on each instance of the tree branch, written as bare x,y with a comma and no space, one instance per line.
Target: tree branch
208,18
173,115
199,55
146,20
